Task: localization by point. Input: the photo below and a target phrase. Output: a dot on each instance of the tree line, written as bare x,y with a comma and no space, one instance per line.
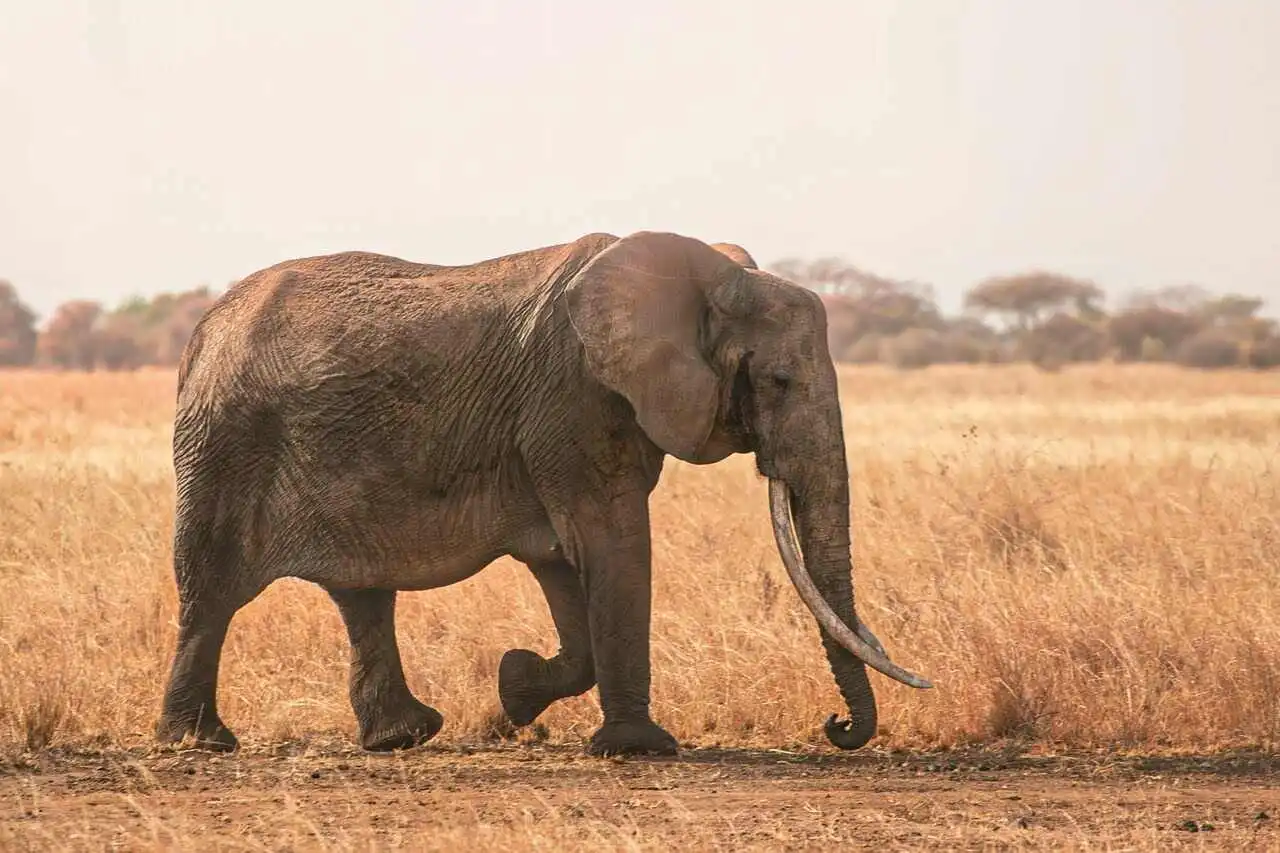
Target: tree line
84,335
1041,317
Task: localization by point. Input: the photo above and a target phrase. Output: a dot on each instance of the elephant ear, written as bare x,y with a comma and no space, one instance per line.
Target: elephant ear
638,308
737,254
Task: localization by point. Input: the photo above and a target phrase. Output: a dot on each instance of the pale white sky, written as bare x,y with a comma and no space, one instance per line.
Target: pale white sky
154,144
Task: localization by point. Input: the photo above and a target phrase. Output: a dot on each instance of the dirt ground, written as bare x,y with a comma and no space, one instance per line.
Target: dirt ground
534,796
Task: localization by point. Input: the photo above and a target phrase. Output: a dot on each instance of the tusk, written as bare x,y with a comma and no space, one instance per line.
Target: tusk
869,638
793,559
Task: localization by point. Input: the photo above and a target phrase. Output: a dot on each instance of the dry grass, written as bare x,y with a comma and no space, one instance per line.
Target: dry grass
1082,559
556,799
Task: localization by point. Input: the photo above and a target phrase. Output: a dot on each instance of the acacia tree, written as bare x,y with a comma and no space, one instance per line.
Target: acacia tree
1230,309
17,329
1182,298
861,304
1198,303
1025,300
830,275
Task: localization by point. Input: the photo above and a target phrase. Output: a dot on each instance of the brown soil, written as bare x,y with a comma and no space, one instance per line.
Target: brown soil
534,796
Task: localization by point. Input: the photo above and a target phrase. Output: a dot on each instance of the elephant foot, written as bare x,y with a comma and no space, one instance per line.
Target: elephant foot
204,733
644,738
409,725
523,686
528,683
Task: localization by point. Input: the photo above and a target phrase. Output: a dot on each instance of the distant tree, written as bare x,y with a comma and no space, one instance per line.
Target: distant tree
824,275
843,325
17,329
1265,354
1150,332
1230,309
183,315
1237,317
968,340
861,305
1024,300
121,343
1182,298
1176,321
154,331
70,341
915,348
1210,348
868,349
1064,339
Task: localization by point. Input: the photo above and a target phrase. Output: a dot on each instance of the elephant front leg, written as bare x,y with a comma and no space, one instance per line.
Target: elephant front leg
614,555
527,682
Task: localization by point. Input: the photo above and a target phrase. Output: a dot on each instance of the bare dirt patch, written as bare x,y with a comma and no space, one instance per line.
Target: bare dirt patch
330,796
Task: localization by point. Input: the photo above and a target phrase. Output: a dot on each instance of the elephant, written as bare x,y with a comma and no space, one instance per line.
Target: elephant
372,425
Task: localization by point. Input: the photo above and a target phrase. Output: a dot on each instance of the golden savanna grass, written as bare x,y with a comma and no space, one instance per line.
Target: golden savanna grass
1083,559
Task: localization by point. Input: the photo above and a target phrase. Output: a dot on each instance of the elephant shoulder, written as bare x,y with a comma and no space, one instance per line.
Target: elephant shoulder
594,243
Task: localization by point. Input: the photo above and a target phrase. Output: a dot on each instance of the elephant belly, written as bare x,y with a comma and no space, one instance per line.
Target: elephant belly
419,545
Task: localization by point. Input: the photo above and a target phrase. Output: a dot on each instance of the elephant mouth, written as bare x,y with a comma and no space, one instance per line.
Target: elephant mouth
858,640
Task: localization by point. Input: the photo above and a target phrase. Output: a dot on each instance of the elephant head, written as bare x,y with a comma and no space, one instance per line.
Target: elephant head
717,357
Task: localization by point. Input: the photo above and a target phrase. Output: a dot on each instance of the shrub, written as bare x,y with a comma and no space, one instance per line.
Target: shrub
1130,330
1265,354
842,322
1064,339
968,340
864,350
1152,349
1211,348
120,343
915,348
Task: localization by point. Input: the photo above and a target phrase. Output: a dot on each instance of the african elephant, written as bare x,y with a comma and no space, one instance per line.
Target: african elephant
372,425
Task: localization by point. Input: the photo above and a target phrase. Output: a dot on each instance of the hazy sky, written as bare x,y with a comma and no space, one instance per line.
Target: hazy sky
152,144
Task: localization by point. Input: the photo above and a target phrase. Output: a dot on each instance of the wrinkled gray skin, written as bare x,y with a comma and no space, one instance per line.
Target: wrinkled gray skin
373,425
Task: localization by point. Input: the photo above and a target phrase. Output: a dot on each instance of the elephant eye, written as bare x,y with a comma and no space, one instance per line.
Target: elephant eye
781,380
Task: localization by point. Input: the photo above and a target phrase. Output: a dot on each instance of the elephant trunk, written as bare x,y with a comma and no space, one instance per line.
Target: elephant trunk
819,564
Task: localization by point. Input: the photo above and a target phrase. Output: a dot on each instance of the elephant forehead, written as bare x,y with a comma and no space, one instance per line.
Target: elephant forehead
790,314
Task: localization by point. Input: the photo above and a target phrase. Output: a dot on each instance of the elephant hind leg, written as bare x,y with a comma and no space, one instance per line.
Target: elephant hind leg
190,700
386,711
527,682
212,587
